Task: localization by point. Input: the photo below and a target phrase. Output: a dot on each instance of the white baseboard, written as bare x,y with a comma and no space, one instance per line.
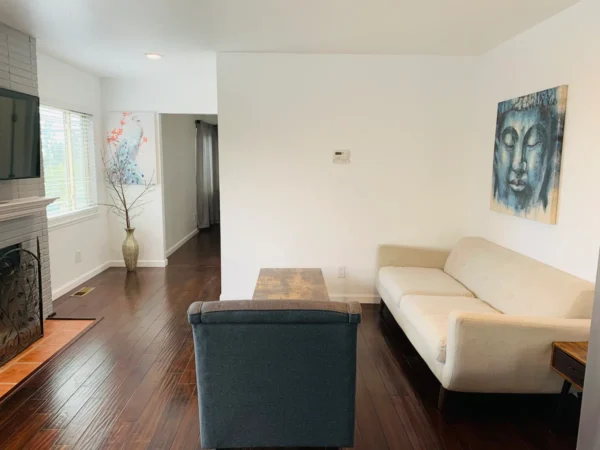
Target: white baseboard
360,298
141,263
56,293
181,242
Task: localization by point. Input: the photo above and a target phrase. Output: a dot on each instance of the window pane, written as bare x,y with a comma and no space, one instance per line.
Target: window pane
67,148
54,144
80,161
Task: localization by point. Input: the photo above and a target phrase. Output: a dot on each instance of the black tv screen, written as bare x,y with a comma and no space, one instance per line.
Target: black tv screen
19,135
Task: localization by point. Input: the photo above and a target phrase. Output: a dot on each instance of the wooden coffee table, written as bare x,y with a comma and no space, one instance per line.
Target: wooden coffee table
290,284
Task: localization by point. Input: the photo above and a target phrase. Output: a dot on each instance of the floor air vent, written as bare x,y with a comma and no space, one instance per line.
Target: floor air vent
83,291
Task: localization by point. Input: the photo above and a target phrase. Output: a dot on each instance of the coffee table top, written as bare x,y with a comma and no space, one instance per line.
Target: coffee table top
290,284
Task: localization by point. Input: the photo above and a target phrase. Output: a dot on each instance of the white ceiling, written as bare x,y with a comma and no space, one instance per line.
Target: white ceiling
109,37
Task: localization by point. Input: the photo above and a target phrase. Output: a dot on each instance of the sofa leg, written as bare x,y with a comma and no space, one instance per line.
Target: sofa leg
442,398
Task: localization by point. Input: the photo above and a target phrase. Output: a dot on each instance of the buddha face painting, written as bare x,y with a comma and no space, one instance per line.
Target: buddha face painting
527,155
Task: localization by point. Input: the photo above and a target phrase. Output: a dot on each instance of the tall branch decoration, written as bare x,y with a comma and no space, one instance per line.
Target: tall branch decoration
127,186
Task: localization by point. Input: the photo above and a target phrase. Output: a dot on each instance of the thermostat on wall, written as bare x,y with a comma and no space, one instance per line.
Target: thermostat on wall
341,156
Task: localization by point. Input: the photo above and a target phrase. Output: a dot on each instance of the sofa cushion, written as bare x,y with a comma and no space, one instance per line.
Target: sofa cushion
401,281
516,284
428,315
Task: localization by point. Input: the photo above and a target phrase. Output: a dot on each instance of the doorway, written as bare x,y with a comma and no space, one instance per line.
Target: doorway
190,153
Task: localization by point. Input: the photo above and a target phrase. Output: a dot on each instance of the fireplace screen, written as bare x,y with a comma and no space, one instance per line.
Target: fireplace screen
21,311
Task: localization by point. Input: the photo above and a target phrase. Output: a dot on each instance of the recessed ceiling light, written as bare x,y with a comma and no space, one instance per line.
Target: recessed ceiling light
153,55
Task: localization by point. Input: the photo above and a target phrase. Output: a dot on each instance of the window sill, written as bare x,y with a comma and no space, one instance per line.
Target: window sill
69,219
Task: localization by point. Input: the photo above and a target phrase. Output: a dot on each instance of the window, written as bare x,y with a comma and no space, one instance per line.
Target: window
69,169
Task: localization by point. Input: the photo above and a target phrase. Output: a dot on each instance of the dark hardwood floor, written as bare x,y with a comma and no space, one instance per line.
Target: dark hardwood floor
129,382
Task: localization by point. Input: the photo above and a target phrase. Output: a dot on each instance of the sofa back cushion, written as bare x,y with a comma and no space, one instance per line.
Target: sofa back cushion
515,284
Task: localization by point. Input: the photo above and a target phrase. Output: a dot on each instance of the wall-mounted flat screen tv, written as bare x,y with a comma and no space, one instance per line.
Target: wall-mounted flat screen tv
19,135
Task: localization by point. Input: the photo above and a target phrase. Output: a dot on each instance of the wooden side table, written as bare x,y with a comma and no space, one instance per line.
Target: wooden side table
569,360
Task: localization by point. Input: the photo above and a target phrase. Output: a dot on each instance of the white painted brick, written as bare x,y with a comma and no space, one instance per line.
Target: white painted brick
14,78
17,38
16,64
24,89
26,74
27,59
19,47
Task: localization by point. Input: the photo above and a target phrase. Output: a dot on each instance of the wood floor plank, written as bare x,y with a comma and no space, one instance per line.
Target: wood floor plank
366,416
173,414
113,403
144,428
117,436
21,415
442,429
19,439
420,432
42,440
188,431
387,365
394,432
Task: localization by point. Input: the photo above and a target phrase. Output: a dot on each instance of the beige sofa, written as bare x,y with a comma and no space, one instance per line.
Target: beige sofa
484,317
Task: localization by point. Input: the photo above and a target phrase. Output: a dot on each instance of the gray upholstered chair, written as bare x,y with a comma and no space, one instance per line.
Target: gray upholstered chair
275,373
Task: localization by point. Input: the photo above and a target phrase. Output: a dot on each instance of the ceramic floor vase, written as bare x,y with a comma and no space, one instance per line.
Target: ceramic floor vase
131,250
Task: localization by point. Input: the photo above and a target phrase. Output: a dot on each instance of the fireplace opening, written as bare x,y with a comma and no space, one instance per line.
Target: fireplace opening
21,308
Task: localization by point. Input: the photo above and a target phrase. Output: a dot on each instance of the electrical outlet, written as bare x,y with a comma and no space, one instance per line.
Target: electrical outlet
194,218
77,256
341,273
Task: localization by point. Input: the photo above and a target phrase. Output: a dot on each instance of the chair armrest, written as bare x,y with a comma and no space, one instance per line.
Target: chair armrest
504,353
403,256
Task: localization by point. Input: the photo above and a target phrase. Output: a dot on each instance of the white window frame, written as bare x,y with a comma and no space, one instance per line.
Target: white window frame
73,217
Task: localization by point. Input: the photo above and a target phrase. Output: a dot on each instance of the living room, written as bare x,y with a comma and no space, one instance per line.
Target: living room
342,128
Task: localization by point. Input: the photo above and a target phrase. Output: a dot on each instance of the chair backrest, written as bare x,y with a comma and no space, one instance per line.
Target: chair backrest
275,373
516,284
274,311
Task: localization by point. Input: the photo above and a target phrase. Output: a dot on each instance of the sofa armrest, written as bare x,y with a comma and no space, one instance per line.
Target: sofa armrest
404,256
504,353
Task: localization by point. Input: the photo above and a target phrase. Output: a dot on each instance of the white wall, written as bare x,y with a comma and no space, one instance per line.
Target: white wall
64,86
284,203
179,169
185,89
562,50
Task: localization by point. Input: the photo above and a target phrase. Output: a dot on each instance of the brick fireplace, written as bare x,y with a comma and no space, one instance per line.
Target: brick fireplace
18,72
